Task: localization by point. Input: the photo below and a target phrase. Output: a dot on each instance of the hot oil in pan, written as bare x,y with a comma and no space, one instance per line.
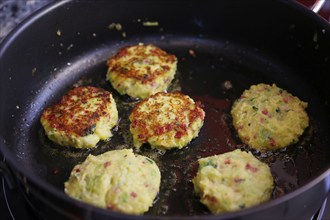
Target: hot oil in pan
216,76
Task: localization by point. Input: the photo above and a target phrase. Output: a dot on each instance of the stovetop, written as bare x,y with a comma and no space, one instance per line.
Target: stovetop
12,203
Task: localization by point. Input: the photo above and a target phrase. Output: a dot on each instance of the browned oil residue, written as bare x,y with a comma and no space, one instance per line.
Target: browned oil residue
216,130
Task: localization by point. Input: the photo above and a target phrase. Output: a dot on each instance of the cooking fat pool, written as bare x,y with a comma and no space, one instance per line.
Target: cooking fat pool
166,121
118,180
83,117
232,181
141,70
267,117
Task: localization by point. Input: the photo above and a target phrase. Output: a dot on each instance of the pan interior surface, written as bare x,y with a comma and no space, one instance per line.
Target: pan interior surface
211,71
217,60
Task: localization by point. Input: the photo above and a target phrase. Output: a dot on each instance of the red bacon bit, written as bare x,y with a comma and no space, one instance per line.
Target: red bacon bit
227,161
168,127
183,127
286,100
238,180
197,112
249,167
111,206
272,142
84,100
264,111
160,130
133,194
141,136
78,170
106,164
178,134
211,199
153,84
134,123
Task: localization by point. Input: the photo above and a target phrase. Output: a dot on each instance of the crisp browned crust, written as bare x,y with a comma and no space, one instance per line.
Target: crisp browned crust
148,124
71,114
124,67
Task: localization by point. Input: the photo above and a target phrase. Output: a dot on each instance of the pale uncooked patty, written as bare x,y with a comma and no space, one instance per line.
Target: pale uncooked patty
83,117
141,70
268,118
166,120
232,181
118,180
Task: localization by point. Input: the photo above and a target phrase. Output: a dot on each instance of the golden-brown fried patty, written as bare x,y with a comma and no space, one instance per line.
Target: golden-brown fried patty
141,70
268,118
81,118
233,181
118,180
166,120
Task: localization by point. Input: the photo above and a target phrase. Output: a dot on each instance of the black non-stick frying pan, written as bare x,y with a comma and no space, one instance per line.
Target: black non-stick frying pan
223,48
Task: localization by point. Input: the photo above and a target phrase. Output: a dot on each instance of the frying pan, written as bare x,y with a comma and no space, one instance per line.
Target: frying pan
223,48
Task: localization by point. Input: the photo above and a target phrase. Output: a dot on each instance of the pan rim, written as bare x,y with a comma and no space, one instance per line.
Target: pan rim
27,21
44,185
